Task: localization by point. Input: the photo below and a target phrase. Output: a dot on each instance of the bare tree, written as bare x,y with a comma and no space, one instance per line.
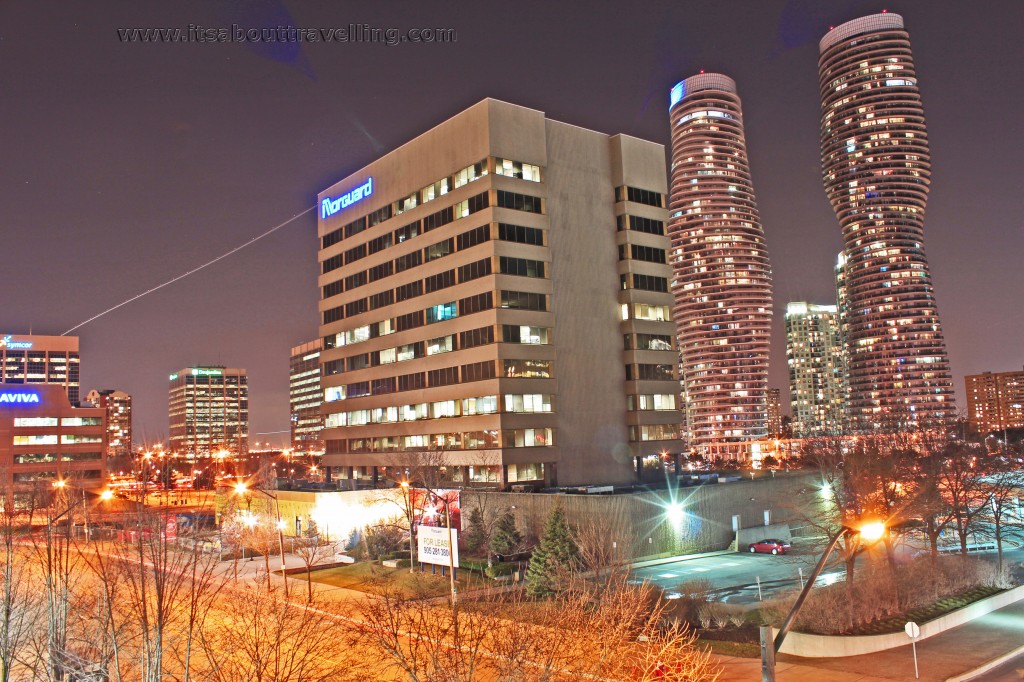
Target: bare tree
256,636
1004,484
18,601
312,549
418,640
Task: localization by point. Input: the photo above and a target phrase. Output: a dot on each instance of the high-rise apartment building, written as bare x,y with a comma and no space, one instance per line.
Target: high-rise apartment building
817,369
774,412
305,396
995,401
45,439
877,167
721,275
32,359
118,405
495,301
209,411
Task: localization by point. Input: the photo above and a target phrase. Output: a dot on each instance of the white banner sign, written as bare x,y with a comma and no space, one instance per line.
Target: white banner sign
434,545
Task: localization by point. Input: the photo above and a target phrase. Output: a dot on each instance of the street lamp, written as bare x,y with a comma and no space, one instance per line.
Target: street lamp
241,488
409,513
871,531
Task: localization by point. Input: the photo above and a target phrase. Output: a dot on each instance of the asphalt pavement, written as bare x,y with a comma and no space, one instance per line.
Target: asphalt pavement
734,576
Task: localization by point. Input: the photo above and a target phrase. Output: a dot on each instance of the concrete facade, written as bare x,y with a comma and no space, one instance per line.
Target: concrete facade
482,308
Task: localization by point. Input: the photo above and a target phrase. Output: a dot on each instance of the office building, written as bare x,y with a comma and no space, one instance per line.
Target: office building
774,411
305,396
995,401
118,405
31,359
817,369
721,275
43,439
495,299
876,168
209,411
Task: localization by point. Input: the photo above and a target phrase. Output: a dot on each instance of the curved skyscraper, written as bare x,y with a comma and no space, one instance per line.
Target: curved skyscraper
721,275
876,169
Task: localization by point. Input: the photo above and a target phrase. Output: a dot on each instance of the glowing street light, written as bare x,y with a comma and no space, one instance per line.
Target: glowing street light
871,531
107,495
241,488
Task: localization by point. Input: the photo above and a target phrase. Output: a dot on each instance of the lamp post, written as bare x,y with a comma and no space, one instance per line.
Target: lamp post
407,494
242,489
872,531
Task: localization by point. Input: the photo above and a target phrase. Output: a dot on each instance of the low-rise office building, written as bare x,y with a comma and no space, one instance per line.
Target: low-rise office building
44,439
495,301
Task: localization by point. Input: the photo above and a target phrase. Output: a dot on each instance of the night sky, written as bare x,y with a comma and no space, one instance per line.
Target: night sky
127,164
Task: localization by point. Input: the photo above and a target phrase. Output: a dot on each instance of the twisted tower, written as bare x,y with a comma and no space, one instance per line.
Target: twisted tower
721,276
876,170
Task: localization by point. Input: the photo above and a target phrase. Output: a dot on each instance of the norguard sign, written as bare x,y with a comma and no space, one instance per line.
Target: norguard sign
329,207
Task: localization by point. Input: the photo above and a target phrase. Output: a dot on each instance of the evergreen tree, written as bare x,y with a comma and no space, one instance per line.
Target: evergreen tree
556,555
476,532
506,538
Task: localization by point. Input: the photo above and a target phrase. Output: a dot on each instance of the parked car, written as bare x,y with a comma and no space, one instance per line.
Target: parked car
770,546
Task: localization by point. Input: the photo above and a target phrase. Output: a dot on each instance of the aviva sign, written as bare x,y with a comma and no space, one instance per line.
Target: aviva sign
8,397
329,207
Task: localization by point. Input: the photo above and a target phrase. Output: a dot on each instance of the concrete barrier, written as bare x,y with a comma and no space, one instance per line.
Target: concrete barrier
836,646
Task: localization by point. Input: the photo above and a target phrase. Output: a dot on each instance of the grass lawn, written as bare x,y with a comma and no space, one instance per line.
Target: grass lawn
365,575
740,649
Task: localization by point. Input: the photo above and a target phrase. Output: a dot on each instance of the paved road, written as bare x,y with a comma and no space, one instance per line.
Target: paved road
734,576
1011,671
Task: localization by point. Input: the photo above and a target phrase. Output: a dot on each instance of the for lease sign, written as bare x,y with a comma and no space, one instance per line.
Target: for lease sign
434,545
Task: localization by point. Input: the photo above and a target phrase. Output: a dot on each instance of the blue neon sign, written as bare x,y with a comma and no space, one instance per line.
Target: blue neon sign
7,342
19,397
329,207
677,93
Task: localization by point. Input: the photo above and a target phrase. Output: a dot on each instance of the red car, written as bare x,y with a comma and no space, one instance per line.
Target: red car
770,546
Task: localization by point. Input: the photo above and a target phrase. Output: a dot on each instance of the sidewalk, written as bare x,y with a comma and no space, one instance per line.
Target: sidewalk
943,656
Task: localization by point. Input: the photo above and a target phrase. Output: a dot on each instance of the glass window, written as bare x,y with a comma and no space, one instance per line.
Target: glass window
644,311
444,408
49,439
35,421
517,169
333,393
81,421
470,173
528,369
530,402
441,312
442,344
526,334
487,404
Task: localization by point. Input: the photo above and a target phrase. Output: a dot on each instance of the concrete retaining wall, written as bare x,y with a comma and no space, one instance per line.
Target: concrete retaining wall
823,646
639,526
748,536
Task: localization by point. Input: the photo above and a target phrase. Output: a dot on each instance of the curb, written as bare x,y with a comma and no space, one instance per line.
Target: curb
985,667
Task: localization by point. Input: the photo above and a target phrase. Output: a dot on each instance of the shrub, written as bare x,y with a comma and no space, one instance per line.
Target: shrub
705,616
382,540
500,569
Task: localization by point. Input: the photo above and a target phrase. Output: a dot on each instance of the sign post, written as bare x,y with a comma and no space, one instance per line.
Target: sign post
913,631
